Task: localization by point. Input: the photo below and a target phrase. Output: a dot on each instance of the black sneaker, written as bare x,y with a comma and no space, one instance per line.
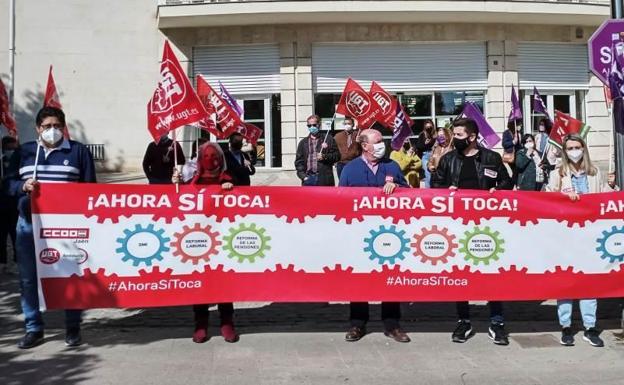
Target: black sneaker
592,336
72,337
567,337
462,332
497,333
30,340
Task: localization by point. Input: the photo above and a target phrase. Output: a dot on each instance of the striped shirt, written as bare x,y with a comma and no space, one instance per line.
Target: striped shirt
67,163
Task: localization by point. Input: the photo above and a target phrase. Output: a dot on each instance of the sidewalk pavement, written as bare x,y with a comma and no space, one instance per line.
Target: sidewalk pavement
303,344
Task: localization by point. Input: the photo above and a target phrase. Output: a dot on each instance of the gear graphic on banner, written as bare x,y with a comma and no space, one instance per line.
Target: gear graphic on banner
142,245
435,245
195,243
611,245
246,243
386,245
481,246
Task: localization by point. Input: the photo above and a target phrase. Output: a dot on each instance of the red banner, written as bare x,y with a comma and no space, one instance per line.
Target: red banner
358,104
140,246
174,102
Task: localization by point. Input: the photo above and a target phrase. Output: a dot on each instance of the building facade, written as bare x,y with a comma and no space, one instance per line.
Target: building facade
285,60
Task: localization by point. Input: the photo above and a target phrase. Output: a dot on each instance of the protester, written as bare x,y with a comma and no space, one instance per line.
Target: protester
56,160
8,208
574,177
512,143
409,163
424,145
190,166
444,144
211,170
316,155
239,165
470,166
543,132
159,160
529,166
346,142
372,169
611,182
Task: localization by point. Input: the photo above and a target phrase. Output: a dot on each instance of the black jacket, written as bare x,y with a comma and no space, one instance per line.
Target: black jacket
239,172
325,171
491,171
159,162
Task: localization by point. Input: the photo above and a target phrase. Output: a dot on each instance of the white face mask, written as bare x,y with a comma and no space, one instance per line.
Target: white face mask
348,127
529,145
542,128
379,150
575,155
52,135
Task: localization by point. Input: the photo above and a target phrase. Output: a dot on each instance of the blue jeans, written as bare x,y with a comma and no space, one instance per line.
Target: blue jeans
27,266
425,160
588,312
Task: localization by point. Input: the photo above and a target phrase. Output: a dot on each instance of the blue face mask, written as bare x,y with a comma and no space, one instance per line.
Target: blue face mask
313,129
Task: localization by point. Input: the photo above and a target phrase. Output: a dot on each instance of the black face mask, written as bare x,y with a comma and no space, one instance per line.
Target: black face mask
236,146
461,144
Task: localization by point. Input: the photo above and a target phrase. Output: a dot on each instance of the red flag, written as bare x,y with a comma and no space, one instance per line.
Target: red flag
51,98
388,105
357,103
6,118
565,124
174,102
227,118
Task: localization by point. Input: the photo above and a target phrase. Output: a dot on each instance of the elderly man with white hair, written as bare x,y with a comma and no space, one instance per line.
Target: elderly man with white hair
373,169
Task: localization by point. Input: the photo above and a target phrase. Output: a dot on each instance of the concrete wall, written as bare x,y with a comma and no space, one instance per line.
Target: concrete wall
105,57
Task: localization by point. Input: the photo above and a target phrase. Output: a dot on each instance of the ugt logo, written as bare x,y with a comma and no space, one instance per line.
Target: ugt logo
170,90
383,100
358,103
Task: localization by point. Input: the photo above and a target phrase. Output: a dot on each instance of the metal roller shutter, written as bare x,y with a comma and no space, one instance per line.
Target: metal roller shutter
400,67
243,69
553,66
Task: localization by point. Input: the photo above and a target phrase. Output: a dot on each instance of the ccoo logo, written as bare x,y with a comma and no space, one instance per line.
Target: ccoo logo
49,256
358,103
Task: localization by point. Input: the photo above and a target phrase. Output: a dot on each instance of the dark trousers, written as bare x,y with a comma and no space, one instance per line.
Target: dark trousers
226,312
390,314
496,311
8,224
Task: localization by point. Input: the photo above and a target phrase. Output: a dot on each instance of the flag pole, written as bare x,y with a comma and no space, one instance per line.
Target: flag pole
327,133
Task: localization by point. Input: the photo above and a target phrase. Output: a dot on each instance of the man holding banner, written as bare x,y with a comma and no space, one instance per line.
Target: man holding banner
470,166
372,169
50,159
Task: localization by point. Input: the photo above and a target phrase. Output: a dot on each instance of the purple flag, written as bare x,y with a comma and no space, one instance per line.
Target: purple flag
616,84
488,138
229,99
516,112
538,104
401,129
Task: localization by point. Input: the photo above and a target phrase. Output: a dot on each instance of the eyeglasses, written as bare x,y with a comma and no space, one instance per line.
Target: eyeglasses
48,126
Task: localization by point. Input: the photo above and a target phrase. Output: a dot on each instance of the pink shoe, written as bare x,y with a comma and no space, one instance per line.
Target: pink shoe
228,332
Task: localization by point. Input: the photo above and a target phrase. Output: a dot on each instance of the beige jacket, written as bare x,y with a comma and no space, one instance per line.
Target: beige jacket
563,184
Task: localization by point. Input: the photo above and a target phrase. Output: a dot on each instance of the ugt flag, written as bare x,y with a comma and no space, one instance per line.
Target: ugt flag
358,104
516,112
6,118
51,98
227,120
565,124
388,105
174,102
488,138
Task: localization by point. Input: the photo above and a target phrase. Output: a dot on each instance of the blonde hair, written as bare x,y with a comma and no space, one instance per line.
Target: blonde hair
566,164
